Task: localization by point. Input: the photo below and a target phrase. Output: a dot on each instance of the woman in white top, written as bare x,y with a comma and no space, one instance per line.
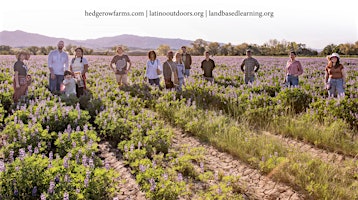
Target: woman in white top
153,69
79,67
181,70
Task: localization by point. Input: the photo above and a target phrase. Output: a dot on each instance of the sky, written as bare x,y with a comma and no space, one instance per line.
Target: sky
314,23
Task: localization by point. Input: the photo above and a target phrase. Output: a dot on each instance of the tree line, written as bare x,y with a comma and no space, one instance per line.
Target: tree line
199,46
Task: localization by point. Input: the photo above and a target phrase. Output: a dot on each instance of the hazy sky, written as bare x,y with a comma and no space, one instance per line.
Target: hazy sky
315,23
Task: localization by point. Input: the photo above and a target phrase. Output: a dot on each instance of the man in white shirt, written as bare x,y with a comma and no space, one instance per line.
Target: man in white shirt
57,64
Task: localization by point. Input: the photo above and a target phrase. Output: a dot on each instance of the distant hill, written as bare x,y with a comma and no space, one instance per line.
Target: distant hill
24,39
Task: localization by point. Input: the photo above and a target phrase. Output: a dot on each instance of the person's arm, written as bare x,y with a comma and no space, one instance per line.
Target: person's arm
146,69
85,65
326,76
202,65
49,64
17,82
66,62
257,66
213,63
65,82
300,69
166,71
190,61
130,64
111,64
242,65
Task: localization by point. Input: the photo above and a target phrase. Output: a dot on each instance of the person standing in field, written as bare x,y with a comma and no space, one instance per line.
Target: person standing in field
208,65
121,61
187,61
249,66
335,76
57,64
293,70
153,69
79,67
21,79
170,72
181,70
70,83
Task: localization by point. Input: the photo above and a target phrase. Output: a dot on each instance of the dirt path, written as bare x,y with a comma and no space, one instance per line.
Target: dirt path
127,186
324,155
255,185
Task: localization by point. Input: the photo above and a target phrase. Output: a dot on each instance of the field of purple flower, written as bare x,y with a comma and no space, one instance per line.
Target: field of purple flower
49,144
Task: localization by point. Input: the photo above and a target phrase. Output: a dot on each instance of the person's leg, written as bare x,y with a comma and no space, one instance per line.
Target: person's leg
294,80
157,82
52,84
252,79
332,90
79,91
187,72
125,79
59,81
246,79
118,79
151,81
339,87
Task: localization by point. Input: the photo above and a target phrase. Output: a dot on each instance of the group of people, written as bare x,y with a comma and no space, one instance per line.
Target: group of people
70,77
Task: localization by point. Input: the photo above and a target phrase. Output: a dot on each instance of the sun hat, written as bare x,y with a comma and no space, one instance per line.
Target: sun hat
334,55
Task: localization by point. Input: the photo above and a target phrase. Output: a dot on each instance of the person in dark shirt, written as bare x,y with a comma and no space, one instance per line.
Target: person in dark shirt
21,79
208,65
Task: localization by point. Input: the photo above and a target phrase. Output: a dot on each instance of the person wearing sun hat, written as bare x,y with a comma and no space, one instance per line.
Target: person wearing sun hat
335,76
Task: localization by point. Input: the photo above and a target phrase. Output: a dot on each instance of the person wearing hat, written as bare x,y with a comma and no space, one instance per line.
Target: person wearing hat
249,66
293,70
335,76
21,79
57,64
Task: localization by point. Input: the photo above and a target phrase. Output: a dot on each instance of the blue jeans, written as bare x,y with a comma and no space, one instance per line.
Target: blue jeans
249,79
55,84
181,83
335,87
291,80
154,81
187,72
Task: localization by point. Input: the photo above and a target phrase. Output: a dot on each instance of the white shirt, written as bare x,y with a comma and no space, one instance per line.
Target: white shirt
152,66
58,62
70,86
78,66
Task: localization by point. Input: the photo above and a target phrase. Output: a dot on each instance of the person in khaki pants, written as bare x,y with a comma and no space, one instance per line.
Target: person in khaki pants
121,70
187,61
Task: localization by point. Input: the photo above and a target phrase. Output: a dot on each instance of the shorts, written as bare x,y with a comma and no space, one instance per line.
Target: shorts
122,79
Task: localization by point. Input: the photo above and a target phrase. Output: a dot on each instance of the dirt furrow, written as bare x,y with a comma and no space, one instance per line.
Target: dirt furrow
127,185
324,155
254,184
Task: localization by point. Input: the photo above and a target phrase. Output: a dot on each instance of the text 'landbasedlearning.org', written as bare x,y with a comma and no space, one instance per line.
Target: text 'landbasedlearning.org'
178,13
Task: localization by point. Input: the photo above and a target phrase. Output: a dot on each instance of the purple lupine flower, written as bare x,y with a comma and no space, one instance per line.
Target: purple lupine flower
49,165
66,196
78,190
16,192
52,187
165,176
30,149
91,163
50,156
22,153
219,190
57,179
43,196
132,147
180,177
2,166
142,168
106,166
152,184
36,150
73,144
84,160
65,162
66,178
154,164
11,156
139,144
17,168
125,148
86,182
202,166
34,191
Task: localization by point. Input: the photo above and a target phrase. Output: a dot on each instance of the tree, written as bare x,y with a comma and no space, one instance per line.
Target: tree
213,48
163,49
5,50
33,49
199,46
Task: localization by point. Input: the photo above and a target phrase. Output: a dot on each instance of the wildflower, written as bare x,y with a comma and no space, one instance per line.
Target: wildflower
43,196
34,191
51,188
65,196
152,184
2,166
22,154
180,177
